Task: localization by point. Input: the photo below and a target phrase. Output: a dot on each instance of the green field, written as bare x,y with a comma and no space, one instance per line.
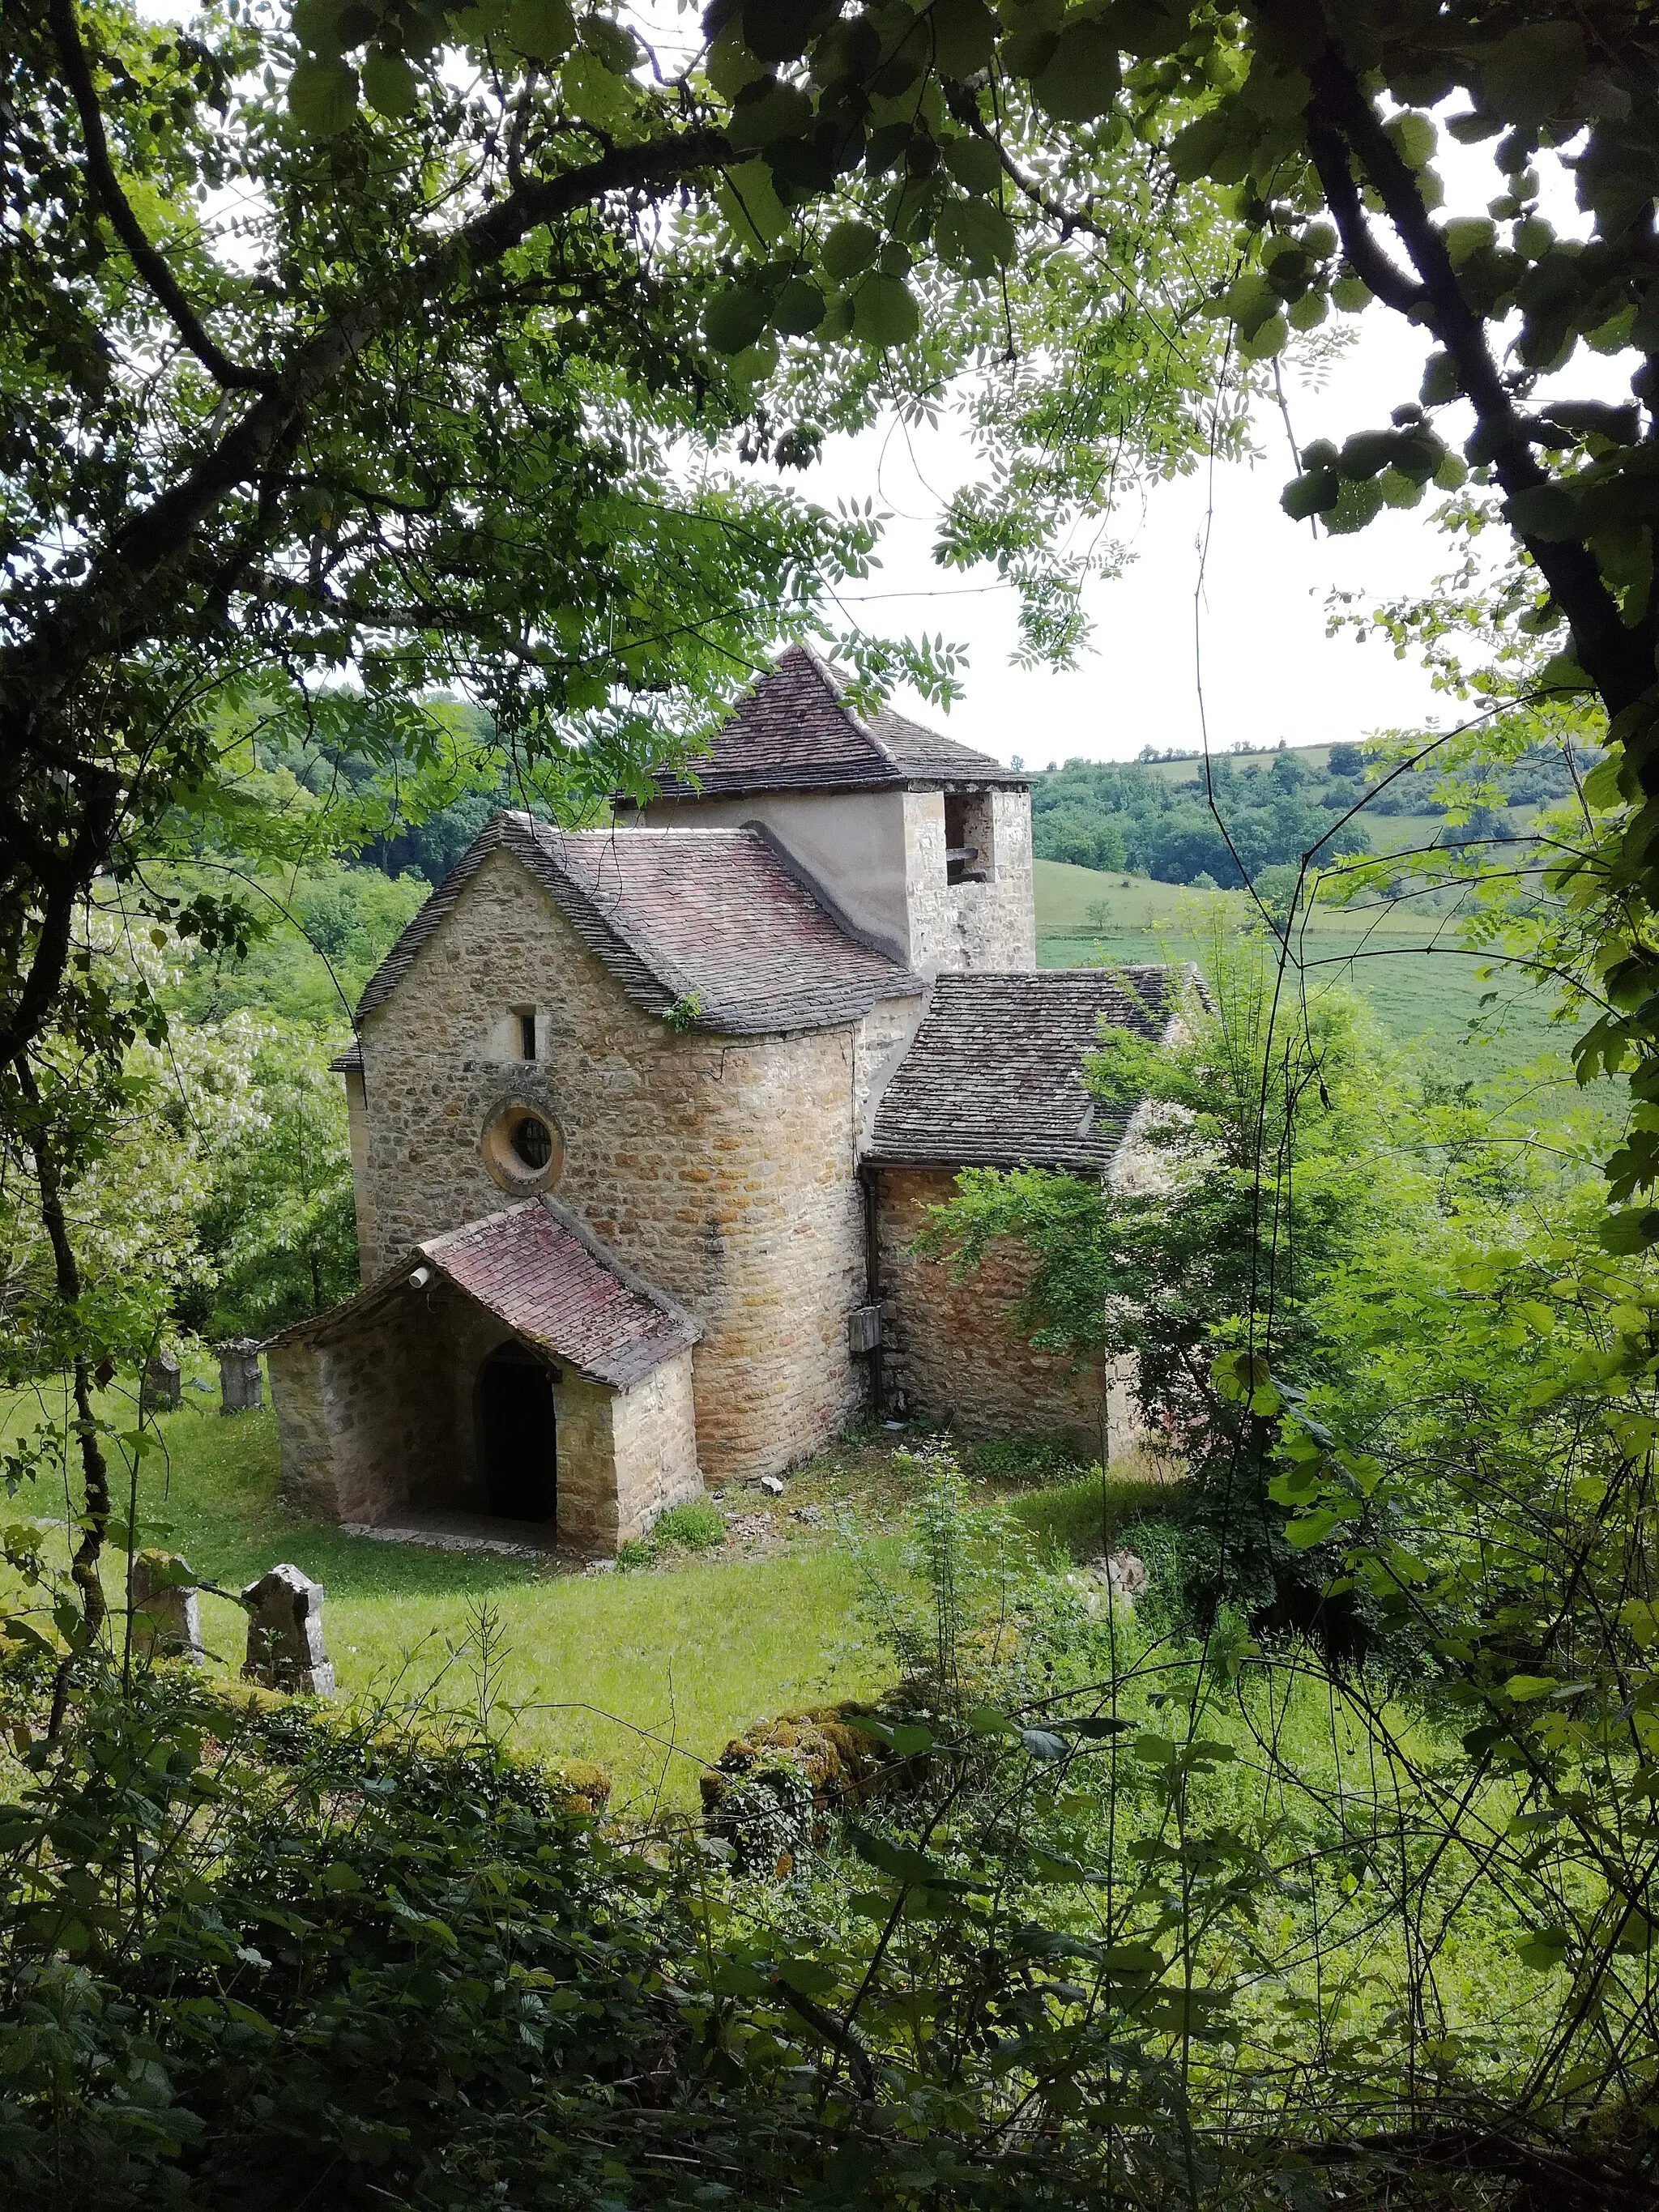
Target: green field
1424,987
650,1673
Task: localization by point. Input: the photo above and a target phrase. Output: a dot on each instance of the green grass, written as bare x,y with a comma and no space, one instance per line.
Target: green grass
649,1674
1432,998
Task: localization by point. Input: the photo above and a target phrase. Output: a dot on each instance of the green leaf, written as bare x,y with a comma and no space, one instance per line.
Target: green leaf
1636,1229
1523,1689
1081,80
749,201
964,36
1199,146
975,163
1545,1951
390,85
849,248
1312,1529
734,319
1265,340
1547,511
799,308
322,96
807,1976
339,1875
975,234
542,29
884,312
595,92
1413,137
1531,73
1350,293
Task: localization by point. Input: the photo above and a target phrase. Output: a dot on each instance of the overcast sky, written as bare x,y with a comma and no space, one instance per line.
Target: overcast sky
1269,670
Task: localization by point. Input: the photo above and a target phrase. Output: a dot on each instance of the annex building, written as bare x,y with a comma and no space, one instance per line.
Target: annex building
646,1121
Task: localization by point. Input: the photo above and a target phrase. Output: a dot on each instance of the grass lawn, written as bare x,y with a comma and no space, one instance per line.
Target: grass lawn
1430,998
651,1672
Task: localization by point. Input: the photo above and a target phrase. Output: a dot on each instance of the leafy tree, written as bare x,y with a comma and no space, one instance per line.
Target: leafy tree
1266,1156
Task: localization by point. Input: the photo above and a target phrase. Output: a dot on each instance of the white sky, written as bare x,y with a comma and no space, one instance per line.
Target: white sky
1269,671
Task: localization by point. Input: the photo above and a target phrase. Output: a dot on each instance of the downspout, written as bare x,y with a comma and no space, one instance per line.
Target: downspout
870,1179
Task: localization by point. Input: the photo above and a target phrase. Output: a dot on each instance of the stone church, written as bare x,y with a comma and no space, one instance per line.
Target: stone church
645,1122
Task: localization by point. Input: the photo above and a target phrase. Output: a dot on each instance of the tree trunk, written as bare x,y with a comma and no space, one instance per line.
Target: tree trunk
94,1468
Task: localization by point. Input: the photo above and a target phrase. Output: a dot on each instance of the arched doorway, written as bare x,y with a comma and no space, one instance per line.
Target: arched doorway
517,1448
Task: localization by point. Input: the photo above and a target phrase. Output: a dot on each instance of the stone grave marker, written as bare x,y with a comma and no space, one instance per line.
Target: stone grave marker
166,1617
285,1649
161,1388
240,1390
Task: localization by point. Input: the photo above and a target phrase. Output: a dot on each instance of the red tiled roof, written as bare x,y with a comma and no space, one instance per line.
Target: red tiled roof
994,1077
793,731
536,1268
718,916
543,1275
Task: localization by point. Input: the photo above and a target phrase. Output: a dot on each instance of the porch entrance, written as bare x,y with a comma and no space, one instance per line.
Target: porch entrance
518,1447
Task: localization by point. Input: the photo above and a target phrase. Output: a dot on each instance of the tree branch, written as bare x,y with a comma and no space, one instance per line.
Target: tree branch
93,613
145,259
1617,660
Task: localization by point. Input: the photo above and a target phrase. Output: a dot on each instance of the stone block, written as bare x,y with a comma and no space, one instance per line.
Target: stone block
166,1617
160,1391
240,1390
285,1649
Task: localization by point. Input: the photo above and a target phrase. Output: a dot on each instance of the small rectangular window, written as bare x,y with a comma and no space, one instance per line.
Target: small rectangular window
968,855
527,1033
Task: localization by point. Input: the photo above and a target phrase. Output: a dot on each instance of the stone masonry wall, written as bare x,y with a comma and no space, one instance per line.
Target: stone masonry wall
723,1171
655,1428
968,926
949,1353
383,1417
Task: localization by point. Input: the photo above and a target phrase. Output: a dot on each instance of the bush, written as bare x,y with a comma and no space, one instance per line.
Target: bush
698,1525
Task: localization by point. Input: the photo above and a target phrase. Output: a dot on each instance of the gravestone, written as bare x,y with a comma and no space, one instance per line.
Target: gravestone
285,1649
160,1391
166,1617
240,1390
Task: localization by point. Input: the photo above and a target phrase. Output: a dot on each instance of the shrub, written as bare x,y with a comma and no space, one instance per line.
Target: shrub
698,1525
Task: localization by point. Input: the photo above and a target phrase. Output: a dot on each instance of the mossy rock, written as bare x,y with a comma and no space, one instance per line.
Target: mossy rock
843,1764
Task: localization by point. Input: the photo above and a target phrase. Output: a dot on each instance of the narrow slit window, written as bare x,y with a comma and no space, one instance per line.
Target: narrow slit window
526,1032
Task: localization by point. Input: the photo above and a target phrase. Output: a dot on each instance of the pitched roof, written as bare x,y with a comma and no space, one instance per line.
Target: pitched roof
720,916
994,1077
794,732
543,1275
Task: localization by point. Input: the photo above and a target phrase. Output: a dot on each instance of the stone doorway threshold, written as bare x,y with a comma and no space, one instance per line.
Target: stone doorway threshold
468,1532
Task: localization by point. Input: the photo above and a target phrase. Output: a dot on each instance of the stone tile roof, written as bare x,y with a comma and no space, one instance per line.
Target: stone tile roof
720,916
543,1274
535,1268
994,1077
793,731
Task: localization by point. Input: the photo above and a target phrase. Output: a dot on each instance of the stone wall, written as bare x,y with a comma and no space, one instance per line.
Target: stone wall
655,1432
965,928
721,1170
949,1353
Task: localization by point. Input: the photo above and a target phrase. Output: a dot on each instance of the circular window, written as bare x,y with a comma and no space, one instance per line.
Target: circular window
533,1141
522,1149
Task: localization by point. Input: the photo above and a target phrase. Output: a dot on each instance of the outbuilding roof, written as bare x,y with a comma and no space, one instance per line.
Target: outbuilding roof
543,1274
994,1077
719,927
794,732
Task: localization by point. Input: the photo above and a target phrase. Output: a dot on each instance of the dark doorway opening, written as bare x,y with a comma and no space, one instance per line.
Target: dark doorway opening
517,1444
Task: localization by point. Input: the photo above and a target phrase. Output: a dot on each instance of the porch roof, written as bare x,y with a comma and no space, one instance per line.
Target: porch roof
544,1275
